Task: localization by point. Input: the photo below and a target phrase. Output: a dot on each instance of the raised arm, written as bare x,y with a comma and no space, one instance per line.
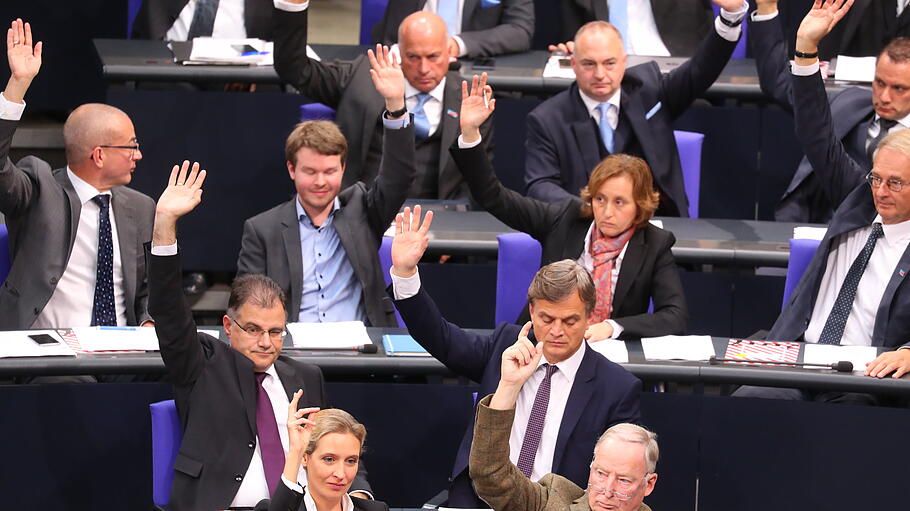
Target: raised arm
770,51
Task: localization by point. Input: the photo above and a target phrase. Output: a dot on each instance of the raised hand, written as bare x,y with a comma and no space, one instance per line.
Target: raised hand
730,5
411,240
385,70
476,107
519,361
24,60
300,427
183,193
819,22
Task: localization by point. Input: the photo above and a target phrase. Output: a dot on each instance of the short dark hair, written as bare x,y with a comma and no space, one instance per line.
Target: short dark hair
898,50
324,137
256,289
557,281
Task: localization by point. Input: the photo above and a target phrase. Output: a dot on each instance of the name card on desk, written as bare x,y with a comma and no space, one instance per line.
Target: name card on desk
615,350
678,347
334,335
855,69
18,344
116,338
831,353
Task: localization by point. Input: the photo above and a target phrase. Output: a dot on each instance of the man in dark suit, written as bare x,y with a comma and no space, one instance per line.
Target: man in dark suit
609,110
432,94
478,28
857,113
321,246
175,20
568,402
852,292
234,429
677,25
867,29
64,224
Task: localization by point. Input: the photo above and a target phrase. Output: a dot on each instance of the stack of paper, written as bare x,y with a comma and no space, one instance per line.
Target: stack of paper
613,349
558,67
337,335
678,347
804,232
18,344
855,69
243,52
116,338
832,353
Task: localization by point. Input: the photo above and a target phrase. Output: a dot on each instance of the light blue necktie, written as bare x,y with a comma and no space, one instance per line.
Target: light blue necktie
606,131
421,123
619,17
448,11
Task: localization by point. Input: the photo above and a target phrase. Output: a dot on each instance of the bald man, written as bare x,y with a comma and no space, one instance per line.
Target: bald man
432,96
76,233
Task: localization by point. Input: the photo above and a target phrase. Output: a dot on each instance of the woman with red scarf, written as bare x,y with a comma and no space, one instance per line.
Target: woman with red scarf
607,231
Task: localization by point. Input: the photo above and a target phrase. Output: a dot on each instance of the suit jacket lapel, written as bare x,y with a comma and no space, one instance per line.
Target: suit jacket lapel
587,139
466,12
351,247
291,235
247,381
450,127
633,112
127,235
582,391
631,265
75,208
883,315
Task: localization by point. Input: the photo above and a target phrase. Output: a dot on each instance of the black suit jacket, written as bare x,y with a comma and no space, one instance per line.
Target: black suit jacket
215,391
348,88
41,210
563,142
648,269
682,24
603,393
806,198
846,185
271,240
156,17
506,27
286,499
866,29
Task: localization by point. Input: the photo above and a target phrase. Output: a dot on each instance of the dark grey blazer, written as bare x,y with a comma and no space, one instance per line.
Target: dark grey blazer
846,187
682,24
271,240
486,28
42,214
156,17
348,88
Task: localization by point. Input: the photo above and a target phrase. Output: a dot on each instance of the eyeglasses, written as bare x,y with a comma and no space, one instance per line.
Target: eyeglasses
133,148
628,488
256,331
894,185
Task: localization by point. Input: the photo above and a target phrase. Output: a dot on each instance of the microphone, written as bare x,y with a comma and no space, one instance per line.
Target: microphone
843,366
365,348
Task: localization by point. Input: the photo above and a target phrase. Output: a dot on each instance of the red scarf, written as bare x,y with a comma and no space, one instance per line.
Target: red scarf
604,251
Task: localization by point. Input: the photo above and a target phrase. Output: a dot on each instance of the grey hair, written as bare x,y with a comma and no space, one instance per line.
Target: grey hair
556,281
634,434
897,140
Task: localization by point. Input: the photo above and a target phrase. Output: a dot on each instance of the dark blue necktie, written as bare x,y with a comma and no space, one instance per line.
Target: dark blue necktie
884,125
203,19
103,310
837,320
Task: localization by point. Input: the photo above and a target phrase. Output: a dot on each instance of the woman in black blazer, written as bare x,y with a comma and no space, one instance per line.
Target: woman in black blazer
614,210
328,444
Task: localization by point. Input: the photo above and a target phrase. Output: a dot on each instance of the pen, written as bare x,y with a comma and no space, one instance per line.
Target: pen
249,53
486,100
127,328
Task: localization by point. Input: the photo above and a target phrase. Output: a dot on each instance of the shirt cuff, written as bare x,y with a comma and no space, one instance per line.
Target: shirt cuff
396,124
617,329
365,492
467,145
10,111
292,486
281,5
730,33
405,287
763,17
809,70
164,250
462,48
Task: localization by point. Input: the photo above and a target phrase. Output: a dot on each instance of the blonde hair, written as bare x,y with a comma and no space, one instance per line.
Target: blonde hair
334,420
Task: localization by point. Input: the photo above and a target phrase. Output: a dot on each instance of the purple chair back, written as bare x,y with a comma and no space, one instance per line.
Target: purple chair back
689,146
385,261
519,260
166,437
316,112
371,12
740,51
5,260
801,252
132,9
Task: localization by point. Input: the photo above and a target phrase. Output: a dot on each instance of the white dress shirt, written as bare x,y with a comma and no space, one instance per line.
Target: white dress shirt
432,108
871,288
612,114
346,503
643,37
229,21
71,303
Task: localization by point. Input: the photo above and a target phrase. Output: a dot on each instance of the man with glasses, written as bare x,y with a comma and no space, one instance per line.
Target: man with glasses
76,233
622,472
232,399
852,292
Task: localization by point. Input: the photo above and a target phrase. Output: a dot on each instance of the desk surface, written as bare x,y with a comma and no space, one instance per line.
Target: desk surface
363,365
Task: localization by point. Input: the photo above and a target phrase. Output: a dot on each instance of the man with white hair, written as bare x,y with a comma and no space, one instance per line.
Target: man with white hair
623,471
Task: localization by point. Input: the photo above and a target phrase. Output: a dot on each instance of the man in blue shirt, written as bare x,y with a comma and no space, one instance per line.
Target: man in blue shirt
322,245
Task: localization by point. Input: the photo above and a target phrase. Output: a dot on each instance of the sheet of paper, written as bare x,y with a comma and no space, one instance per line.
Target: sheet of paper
615,350
217,50
656,223
830,353
804,232
116,338
855,69
18,344
553,69
214,332
678,347
338,335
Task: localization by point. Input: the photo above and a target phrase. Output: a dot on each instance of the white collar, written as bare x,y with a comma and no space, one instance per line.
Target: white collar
346,503
84,191
437,93
905,122
894,233
591,103
570,365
